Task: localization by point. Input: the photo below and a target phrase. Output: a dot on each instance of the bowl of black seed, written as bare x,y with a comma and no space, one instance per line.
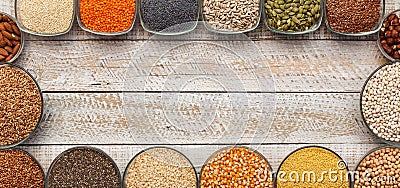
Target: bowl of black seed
168,17
83,167
380,103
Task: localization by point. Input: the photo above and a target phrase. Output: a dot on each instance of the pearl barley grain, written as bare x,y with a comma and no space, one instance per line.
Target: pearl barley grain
46,16
381,102
160,167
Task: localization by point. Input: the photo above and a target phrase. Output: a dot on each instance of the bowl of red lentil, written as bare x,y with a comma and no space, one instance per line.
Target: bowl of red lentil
22,105
106,17
354,17
18,168
380,167
160,167
379,103
45,17
236,166
11,38
389,37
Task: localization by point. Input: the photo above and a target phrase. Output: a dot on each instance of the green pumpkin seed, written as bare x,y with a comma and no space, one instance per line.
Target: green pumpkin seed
278,11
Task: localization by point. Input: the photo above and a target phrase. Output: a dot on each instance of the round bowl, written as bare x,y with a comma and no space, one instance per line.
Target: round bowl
55,161
42,106
157,147
397,12
22,41
361,106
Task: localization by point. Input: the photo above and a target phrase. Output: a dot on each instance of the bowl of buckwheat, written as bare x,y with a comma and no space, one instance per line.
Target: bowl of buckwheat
380,103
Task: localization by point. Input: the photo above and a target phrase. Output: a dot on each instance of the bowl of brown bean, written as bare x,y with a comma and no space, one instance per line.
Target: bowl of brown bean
389,36
354,17
231,16
236,166
21,107
293,16
378,168
380,103
11,39
45,17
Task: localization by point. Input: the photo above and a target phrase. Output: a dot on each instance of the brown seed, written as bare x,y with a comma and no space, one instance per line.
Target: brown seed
8,42
16,30
2,43
8,49
8,27
15,49
3,52
2,28
15,42
2,58
7,35
9,57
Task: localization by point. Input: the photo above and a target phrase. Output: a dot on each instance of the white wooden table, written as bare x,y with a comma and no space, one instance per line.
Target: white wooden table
318,79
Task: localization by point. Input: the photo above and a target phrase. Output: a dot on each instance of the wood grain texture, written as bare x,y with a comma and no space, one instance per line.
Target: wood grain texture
296,66
98,118
261,33
275,154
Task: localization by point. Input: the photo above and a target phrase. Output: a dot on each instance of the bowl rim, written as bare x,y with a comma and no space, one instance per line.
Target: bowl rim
99,151
315,27
26,30
32,157
22,41
83,27
224,149
41,110
379,39
318,147
361,106
377,27
369,153
143,24
151,148
218,31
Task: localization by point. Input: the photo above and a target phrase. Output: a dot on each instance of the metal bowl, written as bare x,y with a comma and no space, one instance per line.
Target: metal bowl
397,12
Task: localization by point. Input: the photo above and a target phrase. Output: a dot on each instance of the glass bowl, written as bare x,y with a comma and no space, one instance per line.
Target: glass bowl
341,162
83,27
355,172
361,106
99,151
173,30
26,30
151,148
41,113
397,12
374,30
210,28
216,153
22,41
315,27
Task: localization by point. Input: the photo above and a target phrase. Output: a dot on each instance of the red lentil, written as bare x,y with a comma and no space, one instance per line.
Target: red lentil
107,15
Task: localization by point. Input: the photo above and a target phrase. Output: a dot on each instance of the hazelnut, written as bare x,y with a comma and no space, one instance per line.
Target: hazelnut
383,42
385,24
388,33
395,21
396,55
395,34
391,17
390,41
391,27
397,28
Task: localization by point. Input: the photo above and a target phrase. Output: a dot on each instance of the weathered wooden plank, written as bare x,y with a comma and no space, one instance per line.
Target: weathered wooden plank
296,66
261,33
187,118
275,154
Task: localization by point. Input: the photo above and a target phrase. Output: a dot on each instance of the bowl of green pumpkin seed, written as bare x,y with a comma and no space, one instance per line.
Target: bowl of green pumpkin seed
293,16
